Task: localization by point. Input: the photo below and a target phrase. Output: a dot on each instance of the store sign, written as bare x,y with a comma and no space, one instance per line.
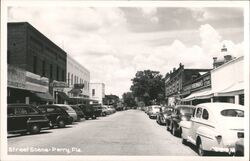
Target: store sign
204,82
57,84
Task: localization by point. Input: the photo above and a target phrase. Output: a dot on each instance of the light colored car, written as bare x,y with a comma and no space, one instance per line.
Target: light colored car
214,127
69,110
153,111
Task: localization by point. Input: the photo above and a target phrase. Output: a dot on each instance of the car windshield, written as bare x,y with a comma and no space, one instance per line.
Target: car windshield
186,110
232,113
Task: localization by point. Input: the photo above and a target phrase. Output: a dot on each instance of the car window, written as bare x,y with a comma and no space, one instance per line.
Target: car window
194,112
205,114
199,112
186,110
32,111
20,111
43,109
65,108
232,113
51,109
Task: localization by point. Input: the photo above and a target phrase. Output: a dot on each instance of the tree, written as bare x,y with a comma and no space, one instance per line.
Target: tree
128,99
148,86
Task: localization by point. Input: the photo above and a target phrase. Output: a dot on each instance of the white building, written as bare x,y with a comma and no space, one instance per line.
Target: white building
228,82
97,92
77,77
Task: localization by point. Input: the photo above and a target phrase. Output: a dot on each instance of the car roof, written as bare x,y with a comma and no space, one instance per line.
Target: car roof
221,106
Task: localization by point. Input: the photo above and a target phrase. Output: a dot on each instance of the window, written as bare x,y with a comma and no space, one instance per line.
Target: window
34,64
51,71
63,75
43,68
199,112
68,78
93,92
11,111
232,113
20,111
8,57
32,111
57,73
205,114
50,109
194,113
72,79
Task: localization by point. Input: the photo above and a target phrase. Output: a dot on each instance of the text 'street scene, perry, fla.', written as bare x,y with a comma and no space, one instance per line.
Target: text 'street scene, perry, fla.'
135,81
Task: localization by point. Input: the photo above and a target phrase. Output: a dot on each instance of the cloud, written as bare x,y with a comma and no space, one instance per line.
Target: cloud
105,42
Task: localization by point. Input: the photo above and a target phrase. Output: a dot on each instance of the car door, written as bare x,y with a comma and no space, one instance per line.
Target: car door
196,122
11,119
52,114
21,117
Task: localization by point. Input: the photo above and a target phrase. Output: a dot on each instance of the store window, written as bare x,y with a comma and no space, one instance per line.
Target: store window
34,64
93,92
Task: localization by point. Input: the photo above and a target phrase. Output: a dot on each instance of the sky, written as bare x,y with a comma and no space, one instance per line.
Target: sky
115,43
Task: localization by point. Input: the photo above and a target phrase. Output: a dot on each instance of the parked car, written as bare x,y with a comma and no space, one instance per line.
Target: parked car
162,115
90,111
239,147
105,110
69,110
180,113
79,112
153,111
23,118
214,127
56,115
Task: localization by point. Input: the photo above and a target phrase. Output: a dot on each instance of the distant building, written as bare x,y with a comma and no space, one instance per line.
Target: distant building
78,79
35,65
175,81
111,100
97,92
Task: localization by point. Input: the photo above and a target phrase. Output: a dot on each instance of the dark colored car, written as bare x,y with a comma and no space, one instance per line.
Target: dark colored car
165,112
79,112
180,113
56,115
90,111
23,118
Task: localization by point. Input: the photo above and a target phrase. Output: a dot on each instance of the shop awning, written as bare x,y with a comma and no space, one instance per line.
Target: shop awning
43,96
63,95
205,94
234,89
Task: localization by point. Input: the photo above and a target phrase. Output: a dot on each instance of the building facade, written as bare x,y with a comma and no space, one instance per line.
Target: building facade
226,79
35,64
97,92
176,80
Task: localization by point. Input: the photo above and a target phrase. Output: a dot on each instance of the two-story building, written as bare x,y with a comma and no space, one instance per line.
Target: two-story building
35,65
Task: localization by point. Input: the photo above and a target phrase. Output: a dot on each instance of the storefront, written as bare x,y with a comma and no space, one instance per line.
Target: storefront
26,87
227,85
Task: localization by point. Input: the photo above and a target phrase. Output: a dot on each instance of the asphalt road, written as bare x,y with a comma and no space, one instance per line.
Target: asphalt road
123,133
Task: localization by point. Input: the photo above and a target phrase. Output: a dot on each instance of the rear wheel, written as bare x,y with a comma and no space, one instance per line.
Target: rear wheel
35,128
61,124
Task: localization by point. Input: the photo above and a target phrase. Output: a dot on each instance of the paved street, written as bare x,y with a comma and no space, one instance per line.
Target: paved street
123,133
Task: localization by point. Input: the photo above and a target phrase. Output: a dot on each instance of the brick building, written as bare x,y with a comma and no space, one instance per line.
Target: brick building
175,81
36,62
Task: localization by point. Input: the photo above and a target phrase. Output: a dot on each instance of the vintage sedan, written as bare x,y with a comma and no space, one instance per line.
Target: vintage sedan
153,111
23,118
214,127
180,113
163,114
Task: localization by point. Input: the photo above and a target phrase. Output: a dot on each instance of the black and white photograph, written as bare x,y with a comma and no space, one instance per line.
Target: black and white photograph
124,80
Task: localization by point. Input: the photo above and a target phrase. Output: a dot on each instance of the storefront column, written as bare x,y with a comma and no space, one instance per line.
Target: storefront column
27,100
236,99
212,99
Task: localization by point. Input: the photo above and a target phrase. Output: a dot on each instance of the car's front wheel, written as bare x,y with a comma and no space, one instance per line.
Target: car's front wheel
35,128
201,152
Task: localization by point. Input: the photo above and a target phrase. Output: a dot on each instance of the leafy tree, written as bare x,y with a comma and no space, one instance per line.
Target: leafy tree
148,86
128,99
